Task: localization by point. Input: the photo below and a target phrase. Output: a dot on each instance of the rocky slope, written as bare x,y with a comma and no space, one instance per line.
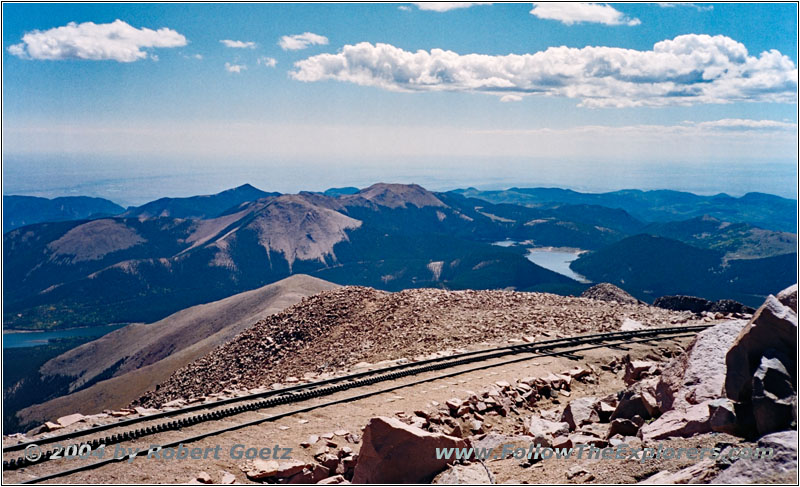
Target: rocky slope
115,369
342,327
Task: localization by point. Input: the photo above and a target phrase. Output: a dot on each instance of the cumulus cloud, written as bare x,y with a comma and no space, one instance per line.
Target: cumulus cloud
117,41
234,68
510,98
269,62
687,70
239,44
302,41
446,6
572,13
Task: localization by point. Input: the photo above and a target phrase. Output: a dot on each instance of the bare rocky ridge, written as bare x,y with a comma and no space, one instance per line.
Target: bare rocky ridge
339,328
395,196
142,355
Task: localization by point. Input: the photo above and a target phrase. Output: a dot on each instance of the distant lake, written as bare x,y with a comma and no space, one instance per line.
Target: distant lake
556,261
24,339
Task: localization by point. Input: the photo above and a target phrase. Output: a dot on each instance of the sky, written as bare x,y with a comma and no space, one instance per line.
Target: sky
136,101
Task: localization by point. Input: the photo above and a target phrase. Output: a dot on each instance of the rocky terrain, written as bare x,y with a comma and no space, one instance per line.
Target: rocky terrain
339,328
730,390
714,395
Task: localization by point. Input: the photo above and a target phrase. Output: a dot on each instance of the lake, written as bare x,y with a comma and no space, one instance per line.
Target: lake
556,261
35,338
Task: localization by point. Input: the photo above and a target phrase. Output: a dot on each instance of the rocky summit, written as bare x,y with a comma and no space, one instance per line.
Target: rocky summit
609,292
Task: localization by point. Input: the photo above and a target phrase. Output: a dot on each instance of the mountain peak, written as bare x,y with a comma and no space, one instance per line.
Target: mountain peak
399,195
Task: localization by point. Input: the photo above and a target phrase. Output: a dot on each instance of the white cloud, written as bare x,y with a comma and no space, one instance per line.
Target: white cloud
234,68
746,124
198,56
239,44
117,41
404,8
687,70
712,128
510,98
571,13
267,61
700,8
302,41
446,6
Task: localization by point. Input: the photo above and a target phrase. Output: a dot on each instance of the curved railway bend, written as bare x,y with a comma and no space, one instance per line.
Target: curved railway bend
288,416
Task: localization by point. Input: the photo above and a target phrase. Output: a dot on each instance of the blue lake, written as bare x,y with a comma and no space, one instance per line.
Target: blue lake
36,338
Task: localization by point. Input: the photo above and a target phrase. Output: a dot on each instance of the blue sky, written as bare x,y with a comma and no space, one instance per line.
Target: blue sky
365,95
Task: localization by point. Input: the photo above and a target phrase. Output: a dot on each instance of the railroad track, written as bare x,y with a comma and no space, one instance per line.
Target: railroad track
192,415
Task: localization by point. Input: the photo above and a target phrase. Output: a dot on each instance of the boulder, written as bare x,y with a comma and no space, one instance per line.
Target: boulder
70,419
780,468
682,423
543,431
606,407
774,398
773,326
723,416
473,474
264,469
636,369
582,439
393,452
788,297
637,400
683,303
622,426
729,306
698,374
310,475
580,412
701,472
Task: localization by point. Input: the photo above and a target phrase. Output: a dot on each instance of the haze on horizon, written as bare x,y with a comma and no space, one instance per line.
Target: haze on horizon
137,101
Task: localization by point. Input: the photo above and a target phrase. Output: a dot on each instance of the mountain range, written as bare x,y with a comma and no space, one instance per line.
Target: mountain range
19,211
148,262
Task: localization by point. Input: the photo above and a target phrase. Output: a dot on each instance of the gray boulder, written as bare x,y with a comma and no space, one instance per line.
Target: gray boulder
774,326
780,468
774,397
